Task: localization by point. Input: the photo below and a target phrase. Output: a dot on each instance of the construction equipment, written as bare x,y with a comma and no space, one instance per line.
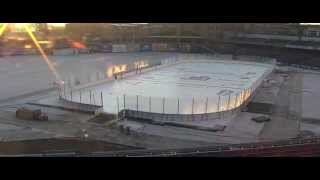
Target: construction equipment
29,114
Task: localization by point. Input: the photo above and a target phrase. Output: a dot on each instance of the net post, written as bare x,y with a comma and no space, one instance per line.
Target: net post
59,92
163,101
90,97
71,94
247,95
228,102
218,107
235,103
192,105
101,97
178,106
149,103
118,108
64,91
69,81
94,99
240,100
243,96
137,103
207,99
124,101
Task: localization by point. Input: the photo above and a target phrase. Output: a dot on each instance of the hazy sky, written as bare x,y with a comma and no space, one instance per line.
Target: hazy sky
57,24
311,23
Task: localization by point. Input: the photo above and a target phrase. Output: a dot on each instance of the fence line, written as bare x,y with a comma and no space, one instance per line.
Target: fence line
164,105
194,106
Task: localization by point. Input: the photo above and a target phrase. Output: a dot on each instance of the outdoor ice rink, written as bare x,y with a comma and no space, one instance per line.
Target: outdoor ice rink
186,87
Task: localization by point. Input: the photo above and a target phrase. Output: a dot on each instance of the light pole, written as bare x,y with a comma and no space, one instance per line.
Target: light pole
178,34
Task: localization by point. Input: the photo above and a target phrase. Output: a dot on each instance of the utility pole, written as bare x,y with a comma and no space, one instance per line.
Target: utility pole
134,34
178,34
300,29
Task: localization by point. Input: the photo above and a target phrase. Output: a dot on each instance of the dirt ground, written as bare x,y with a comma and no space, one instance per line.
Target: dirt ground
286,114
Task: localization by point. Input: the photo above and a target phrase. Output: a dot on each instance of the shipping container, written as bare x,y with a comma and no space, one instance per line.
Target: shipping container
100,47
185,47
62,43
30,51
107,48
133,47
65,52
119,48
146,47
196,48
83,51
172,47
159,47
17,51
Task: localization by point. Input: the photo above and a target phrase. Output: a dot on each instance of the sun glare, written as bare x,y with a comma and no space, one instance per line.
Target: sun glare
21,26
28,29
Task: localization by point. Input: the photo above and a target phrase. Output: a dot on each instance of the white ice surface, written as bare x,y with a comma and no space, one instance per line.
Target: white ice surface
166,85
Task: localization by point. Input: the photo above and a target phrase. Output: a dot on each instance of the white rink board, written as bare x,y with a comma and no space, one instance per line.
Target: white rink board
197,85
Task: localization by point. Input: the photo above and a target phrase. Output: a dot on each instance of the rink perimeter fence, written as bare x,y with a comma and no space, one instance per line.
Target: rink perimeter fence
162,108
